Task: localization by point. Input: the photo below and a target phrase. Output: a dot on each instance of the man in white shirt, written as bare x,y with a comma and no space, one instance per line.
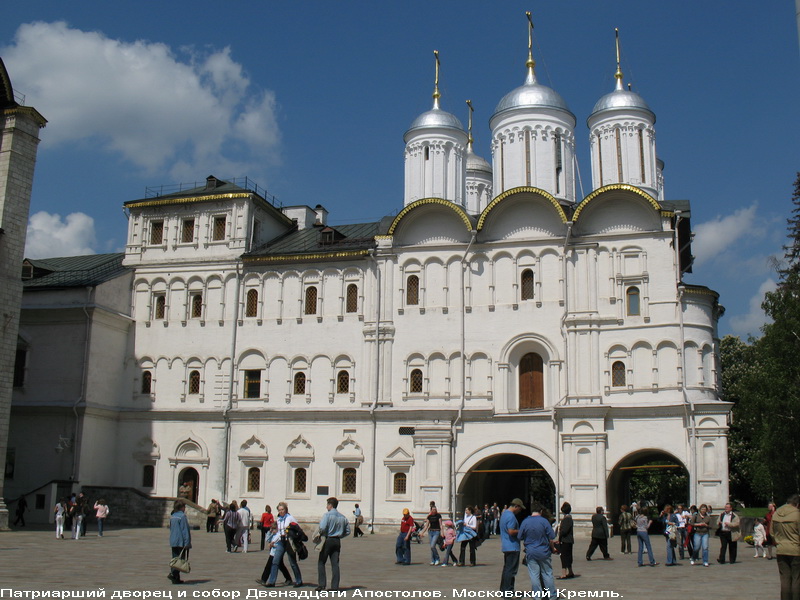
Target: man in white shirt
243,532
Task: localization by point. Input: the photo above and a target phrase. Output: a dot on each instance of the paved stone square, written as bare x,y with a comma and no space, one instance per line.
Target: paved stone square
136,559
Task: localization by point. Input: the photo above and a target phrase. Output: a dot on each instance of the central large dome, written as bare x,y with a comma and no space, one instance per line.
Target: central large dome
531,95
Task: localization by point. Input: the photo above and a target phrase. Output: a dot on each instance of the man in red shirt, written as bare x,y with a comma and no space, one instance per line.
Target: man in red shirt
403,545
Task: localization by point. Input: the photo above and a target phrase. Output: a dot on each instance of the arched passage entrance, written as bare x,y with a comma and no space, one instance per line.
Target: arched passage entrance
188,484
650,477
502,477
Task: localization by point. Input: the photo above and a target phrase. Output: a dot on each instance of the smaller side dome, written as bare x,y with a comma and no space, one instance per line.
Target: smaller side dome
436,118
621,99
476,163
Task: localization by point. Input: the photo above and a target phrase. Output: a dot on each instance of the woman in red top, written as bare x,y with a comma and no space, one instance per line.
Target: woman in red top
266,523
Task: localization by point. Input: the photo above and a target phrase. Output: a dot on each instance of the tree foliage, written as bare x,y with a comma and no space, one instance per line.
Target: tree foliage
763,379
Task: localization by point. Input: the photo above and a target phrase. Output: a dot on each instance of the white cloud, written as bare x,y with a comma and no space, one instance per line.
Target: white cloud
751,322
159,109
49,235
714,237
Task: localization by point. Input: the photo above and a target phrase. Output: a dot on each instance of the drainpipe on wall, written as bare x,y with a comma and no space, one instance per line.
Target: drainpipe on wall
232,374
557,482
458,419
688,405
82,395
374,406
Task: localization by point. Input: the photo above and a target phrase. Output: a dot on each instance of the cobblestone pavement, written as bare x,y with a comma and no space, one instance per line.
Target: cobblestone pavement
136,559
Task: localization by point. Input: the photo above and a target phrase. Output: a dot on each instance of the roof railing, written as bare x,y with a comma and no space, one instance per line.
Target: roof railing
243,182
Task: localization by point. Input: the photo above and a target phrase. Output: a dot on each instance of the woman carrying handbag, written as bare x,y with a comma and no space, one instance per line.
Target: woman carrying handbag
180,540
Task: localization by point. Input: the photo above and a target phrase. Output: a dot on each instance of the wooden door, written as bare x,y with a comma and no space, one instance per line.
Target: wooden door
531,382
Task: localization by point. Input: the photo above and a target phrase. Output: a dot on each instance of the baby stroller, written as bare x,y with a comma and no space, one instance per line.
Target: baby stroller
415,537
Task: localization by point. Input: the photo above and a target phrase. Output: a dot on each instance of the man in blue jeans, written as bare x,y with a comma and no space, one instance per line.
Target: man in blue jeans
538,537
509,544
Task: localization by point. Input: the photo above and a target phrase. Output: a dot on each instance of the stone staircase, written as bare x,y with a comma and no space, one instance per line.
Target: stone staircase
131,508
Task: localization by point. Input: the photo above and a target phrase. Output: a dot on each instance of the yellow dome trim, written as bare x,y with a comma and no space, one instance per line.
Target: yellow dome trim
424,201
615,187
518,190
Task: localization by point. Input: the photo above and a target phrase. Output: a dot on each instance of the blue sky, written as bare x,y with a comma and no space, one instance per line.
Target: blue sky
311,100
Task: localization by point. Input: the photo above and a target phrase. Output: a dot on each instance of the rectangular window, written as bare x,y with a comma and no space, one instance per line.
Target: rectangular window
157,232
11,459
19,367
252,383
219,229
159,306
197,305
187,231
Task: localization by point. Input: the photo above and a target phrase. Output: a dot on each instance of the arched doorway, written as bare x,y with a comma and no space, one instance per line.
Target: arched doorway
502,477
651,477
188,484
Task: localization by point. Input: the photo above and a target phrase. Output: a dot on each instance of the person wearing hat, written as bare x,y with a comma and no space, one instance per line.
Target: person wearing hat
509,544
403,546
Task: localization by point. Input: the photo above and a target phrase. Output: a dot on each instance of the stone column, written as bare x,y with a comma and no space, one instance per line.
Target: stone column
18,144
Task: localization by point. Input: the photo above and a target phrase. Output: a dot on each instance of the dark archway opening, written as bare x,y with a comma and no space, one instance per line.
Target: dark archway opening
652,478
503,477
188,483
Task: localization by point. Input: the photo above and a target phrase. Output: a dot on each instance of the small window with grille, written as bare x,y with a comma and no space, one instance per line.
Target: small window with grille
399,484
300,481
300,383
311,300
197,305
160,307
342,382
349,481
352,298
194,382
526,285
147,382
218,233
415,382
251,310
156,232
148,476
253,479
252,383
187,231
412,290
618,374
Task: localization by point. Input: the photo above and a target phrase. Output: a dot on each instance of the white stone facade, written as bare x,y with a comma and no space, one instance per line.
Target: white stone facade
535,348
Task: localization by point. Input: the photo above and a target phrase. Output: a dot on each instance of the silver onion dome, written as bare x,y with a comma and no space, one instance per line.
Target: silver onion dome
621,99
531,95
476,163
436,118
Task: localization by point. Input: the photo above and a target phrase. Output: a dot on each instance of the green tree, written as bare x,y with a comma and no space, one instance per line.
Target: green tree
763,379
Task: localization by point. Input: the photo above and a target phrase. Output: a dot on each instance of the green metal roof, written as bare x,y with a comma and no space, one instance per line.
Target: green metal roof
319,241
73,271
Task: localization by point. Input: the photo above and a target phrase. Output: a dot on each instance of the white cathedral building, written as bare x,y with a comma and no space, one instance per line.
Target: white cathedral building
499,337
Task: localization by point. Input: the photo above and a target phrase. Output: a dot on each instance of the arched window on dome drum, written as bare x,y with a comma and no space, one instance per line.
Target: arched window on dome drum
300,383
427,153
399,484
351,304
300,477
311,300
531,382
632,302
342,382
253,479
415,382
618,374
412,290
349,479
559,162
251,310
194,382
641,155
526,285
147,382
